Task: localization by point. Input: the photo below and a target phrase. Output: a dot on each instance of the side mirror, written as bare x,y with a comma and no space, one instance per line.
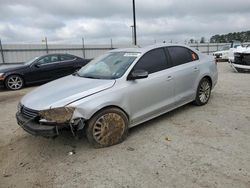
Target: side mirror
138,74
37,65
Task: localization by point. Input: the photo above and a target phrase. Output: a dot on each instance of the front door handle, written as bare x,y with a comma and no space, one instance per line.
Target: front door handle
169,78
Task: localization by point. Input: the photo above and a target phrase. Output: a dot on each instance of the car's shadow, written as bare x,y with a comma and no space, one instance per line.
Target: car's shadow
143,126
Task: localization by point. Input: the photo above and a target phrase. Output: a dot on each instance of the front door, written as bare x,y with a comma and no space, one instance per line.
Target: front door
154,95
45,69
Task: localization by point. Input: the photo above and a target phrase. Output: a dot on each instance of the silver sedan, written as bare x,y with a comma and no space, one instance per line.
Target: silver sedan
119,90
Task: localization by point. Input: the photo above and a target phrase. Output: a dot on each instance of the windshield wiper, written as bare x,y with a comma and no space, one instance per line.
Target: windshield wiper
92,77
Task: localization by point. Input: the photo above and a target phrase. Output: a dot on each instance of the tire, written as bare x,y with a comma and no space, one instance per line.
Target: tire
14,82
203,92
107,127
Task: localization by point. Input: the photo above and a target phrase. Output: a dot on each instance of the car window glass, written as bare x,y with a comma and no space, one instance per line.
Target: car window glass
152,61
48,59
66,58
224,48
109,66
181,55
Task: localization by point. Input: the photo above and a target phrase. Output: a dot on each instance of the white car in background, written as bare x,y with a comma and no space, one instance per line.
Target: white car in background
232,51
222,54
240,59
227,51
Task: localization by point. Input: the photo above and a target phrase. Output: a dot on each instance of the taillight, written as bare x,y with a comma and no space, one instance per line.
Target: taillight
194,57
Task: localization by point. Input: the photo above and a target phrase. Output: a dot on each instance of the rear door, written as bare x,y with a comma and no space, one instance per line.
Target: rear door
153,95
67,65
185,67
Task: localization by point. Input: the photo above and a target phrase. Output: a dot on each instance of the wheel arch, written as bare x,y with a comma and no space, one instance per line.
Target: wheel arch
209,79
13,73
110,106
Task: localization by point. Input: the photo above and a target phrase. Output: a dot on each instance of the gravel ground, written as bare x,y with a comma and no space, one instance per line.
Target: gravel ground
206,146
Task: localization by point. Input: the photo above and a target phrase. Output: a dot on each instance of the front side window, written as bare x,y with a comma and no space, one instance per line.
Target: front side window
181,55
110,66
152,61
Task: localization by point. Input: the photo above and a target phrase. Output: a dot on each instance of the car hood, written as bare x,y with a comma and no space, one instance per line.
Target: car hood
221,52
64,91
10,67
243,50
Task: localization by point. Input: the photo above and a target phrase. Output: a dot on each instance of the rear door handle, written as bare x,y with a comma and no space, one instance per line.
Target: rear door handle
169,78
196,69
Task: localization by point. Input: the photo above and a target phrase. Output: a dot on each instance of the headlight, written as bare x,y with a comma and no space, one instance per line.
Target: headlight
57,115
1,76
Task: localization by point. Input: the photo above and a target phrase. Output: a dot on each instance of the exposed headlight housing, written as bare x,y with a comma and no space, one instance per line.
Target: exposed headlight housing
61,115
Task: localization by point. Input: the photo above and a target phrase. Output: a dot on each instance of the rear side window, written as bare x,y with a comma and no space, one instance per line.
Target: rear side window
66,57
152,61
49,59
181,55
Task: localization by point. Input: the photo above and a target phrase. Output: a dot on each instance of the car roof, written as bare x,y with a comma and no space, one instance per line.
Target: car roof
58,54
148,48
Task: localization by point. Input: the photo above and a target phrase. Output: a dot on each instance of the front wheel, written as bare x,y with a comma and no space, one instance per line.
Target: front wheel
108,127
203,92
14,82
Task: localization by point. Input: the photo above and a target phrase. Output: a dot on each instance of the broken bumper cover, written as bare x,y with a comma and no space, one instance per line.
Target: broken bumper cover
37,129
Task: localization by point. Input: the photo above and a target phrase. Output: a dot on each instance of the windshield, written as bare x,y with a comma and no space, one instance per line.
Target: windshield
225,48
109,66
31,61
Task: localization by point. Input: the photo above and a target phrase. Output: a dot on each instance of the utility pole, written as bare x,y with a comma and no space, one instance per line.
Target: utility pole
135,40
111,43
46,44
1,49
83,48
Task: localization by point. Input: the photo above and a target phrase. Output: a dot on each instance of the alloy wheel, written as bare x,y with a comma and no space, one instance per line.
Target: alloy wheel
108,129
15,82
204,91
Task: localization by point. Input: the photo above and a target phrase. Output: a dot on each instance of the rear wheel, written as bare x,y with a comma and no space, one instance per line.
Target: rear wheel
14,82
108,127
203,92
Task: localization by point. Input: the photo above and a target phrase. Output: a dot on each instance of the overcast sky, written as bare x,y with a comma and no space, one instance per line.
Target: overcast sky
66,21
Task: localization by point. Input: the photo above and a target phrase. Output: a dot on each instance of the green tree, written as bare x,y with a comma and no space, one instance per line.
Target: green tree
202,40
243,36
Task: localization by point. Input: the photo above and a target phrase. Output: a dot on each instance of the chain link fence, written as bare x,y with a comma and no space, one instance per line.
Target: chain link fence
17,53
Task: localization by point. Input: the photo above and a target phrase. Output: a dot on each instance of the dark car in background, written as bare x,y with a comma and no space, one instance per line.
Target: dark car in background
39,70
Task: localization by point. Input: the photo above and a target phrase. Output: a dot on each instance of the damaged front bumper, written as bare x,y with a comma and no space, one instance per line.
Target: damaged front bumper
49,123
34,128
